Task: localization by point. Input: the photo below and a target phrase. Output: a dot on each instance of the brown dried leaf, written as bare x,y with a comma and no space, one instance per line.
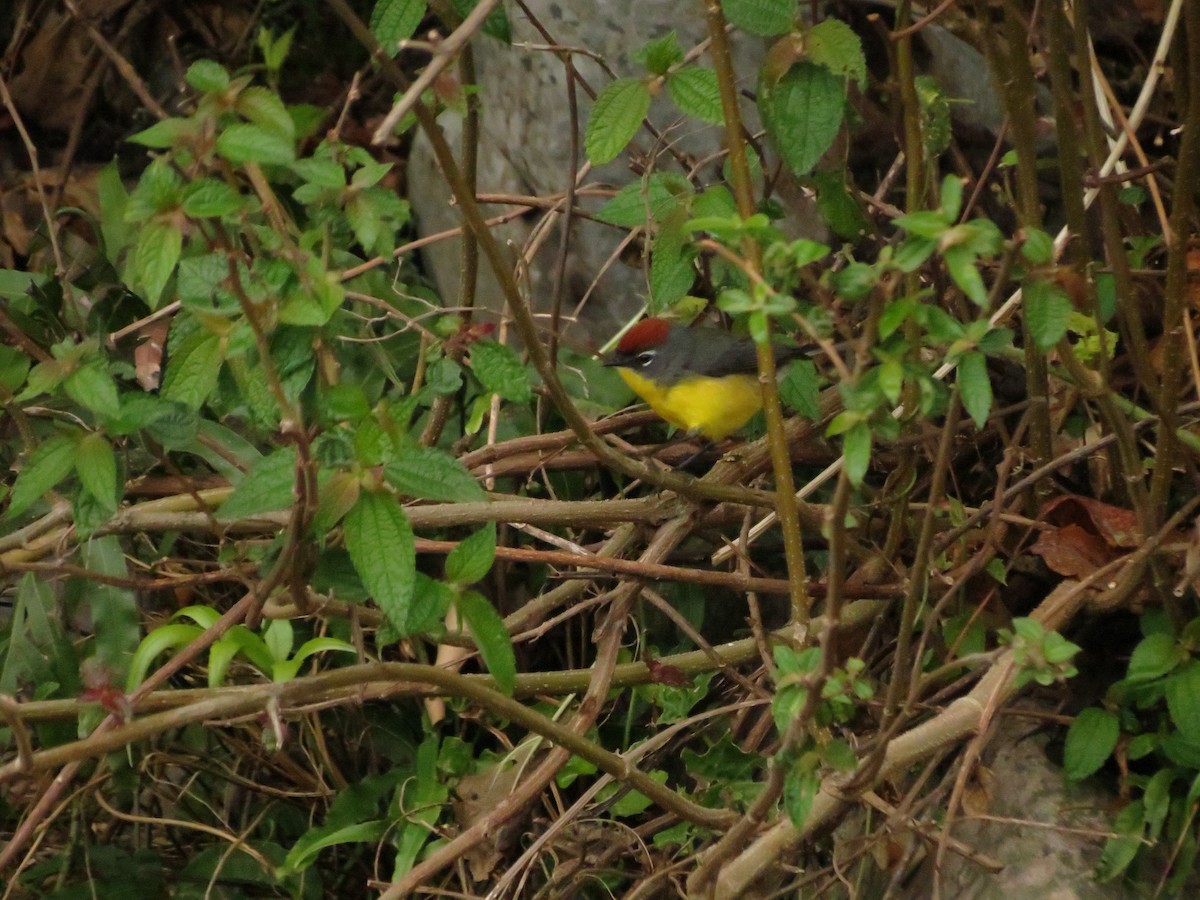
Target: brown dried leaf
1116,525
1072,551
147,356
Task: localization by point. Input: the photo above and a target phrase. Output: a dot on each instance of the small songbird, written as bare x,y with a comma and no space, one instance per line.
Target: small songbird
703,380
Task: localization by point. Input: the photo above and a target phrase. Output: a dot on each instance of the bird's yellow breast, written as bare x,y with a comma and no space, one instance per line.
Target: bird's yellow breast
713,407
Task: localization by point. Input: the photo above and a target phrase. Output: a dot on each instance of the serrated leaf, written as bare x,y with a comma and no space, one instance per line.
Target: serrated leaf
263,107
192,369
837,207
1038,246
96,466
207,75
93,387
425,473
268,486
248,143
322,172
46,466
500,371
799,790
166,134
761,17
935,115
803,113
158,247
379,540
800,388
365,220
856,452
615,119
1183,701
639,203
975,387
472,559
659,54
491,638
671,271
1090,740
209,198
696,92
1047,313
833,44
393,21
1155,656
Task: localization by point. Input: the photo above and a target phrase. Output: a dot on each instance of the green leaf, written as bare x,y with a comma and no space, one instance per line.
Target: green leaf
975,387
115,231
833,44
495,25
935,115
924,223
856,452
952,195
500,371
1120,851
490,637
695,91
161,639
268,486
1155,656
158,248
263,107
799,790
286,670
473,557
380,542
615,119
167,134
96,466
249,143
14,366
192,369
207,75
426,473
671,270
393,21
1090,740
93,387
800,388
209,198
803,113
322,172
159,189
647,200
46,466
761,17
279,637
431,601
837,206
365,220
960,262
1047,312
305,850
660,54
1183,701
1038,247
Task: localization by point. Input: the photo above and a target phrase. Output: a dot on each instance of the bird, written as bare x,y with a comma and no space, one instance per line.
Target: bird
702,380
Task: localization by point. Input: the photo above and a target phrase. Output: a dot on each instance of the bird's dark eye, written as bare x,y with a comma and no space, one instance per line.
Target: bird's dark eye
644,358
